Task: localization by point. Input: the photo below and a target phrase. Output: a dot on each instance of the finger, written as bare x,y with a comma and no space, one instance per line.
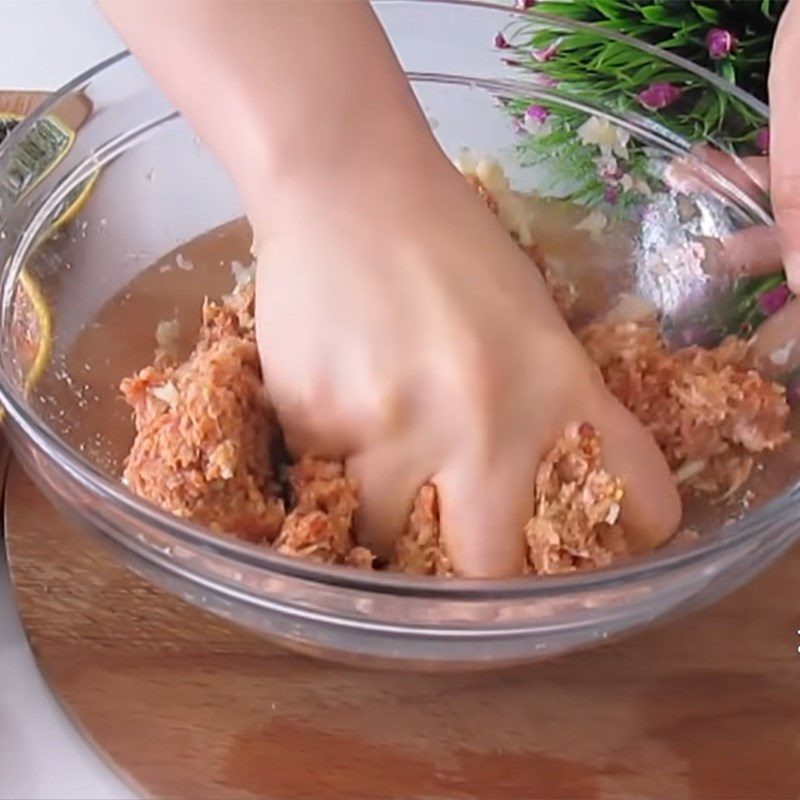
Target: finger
757,169
387,484
695,172
776,346
306,410
750,175
752,251
784,95
311,434
651,506
483,511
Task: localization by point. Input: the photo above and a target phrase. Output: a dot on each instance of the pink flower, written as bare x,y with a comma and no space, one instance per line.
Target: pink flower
545,53
547,81
524,5
608,168
500,41
720,43
658,95
535,116
762,140
773,300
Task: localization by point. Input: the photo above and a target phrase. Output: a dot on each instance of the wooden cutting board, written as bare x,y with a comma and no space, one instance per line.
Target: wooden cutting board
185,705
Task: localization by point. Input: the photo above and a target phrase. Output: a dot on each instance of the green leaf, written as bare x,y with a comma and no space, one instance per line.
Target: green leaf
643,75
726,70
580,41
610,9
706,13
660,15
614,53
566,10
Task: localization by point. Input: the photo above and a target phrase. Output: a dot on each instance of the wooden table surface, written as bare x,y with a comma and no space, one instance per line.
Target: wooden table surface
185,705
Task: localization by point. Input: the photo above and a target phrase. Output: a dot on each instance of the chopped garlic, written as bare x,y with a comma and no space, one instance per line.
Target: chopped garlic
609,138
167,333
168,393
613,514
183,263
594,223
513,213
243,275
631,308
780,357
688,470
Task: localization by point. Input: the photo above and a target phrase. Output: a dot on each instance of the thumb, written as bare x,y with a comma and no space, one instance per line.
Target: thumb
784,96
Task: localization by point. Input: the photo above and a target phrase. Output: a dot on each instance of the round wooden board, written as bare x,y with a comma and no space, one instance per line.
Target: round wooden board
187,706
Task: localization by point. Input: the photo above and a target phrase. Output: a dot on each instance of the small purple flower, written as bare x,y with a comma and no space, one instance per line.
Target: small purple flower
762,140
611,194
720,43
535,116
773,300
500,41
545,53
546,81
658,95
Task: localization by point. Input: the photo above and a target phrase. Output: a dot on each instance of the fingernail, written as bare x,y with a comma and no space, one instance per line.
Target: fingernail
791,265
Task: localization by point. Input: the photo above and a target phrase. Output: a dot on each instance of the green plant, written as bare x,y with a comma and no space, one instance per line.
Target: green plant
732,38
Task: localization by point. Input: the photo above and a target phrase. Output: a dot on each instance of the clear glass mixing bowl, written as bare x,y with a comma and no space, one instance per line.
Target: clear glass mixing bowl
133,186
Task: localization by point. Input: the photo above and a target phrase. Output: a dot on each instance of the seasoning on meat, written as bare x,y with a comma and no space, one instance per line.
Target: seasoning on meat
575,524
204,433
320,526
709,410
203,429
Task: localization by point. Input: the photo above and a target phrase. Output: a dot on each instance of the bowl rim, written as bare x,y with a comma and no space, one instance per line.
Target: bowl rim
241,553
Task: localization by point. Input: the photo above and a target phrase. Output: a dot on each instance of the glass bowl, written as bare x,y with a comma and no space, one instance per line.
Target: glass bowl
106,180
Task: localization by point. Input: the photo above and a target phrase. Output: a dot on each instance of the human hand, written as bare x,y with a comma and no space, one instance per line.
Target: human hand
784,96
401,329
762,250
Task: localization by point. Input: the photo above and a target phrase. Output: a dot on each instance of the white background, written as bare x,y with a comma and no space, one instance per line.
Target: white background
45,43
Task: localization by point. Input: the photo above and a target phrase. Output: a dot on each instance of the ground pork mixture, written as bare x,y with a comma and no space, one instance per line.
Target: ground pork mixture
203,429
709,411
204,436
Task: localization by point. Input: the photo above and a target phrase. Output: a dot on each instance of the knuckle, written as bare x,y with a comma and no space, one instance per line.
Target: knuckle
385,409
